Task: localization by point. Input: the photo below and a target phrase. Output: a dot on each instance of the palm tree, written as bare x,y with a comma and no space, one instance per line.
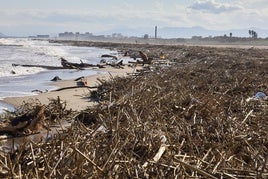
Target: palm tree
255,35
250,32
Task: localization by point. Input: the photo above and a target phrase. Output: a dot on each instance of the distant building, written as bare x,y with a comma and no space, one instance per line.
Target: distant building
66,34
42,36
146,36
76,35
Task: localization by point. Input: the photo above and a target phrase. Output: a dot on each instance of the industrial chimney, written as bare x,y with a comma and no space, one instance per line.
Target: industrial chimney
155,32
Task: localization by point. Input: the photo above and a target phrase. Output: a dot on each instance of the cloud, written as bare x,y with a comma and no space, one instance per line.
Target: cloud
83,20
211,6
211,14
112,17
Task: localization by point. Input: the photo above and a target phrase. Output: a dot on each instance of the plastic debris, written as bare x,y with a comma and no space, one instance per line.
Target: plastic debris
259,95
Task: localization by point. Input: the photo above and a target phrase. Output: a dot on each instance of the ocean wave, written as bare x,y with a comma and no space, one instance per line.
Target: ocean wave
21,81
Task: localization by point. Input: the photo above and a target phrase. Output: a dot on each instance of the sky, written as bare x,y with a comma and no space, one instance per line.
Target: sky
32,17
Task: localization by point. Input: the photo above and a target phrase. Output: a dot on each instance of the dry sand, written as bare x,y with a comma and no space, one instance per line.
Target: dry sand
77,98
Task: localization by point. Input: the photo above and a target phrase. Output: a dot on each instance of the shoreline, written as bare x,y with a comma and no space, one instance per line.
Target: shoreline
131,44
191,116
76,99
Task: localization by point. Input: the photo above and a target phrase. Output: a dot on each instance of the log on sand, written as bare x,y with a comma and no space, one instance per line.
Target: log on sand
65,65
41,66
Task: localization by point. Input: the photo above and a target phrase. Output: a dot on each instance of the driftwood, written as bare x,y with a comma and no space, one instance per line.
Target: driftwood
40,66
26,123
81,83
114,62
56,78
145,58
39,91
79,66
73,87
65,65
109,56
117,64
199,107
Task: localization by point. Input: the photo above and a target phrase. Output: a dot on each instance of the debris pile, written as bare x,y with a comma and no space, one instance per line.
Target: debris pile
32,117
191,120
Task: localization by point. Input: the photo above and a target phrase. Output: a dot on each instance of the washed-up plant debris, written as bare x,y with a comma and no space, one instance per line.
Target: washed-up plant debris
191,119
32,116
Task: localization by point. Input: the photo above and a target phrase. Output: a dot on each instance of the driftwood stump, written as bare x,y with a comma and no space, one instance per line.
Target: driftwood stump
26,123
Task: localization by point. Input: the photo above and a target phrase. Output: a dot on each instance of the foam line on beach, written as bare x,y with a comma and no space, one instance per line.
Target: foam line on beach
6,106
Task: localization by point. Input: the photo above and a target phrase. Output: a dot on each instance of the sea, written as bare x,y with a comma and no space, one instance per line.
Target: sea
22,81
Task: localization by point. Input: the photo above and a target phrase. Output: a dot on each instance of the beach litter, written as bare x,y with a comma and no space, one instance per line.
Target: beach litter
189,121
32,117
259,95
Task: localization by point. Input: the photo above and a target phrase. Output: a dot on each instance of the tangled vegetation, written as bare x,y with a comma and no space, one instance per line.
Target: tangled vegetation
196,118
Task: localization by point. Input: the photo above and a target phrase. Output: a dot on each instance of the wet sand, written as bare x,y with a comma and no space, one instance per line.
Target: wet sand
77,98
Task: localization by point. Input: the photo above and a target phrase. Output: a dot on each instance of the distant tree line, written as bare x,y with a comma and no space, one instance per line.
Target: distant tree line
253,34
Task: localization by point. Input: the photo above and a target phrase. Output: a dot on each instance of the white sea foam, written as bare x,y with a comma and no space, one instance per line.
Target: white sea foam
20,81
32,52
4,107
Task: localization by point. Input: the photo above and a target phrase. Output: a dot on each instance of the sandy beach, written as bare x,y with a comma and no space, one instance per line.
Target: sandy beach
77,98
190,116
